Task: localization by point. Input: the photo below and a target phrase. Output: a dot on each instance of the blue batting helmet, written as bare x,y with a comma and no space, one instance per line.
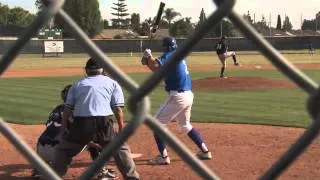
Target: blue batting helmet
169,44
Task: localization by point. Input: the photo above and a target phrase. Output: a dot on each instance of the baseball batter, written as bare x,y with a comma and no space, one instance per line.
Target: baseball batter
179,103
223,54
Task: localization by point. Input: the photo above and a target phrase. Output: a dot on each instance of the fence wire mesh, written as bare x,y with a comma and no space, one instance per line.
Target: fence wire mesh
139,102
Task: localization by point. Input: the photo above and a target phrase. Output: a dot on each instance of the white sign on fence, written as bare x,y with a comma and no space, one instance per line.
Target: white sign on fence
53,47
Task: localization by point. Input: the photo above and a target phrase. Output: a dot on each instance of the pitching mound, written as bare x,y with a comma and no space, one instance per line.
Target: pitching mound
240,83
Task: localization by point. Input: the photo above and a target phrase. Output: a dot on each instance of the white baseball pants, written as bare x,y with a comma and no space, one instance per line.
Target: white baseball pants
178,107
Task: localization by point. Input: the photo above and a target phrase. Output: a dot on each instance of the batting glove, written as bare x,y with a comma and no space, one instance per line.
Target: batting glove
147,53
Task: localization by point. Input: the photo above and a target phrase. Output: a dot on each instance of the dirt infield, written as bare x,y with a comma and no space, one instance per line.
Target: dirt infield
36,72
240,83
240,152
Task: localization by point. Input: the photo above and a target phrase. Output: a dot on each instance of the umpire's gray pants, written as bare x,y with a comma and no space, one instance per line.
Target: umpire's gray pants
81,132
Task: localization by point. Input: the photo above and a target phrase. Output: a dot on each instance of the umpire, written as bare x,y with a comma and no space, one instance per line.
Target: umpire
94,100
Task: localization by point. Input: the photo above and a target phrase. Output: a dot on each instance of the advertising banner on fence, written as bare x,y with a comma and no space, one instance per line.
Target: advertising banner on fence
53,47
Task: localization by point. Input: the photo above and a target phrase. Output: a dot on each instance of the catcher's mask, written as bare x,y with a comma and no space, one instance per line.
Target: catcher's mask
64,92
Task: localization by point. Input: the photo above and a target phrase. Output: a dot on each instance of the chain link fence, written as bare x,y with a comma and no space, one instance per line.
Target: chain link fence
139,102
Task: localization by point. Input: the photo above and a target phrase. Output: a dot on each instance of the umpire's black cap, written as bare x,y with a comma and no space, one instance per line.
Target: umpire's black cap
93,64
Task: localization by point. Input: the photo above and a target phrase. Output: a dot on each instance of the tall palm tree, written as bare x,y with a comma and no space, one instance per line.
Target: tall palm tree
170,14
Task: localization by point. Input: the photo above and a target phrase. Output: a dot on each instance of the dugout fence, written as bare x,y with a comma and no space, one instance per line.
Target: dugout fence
139,102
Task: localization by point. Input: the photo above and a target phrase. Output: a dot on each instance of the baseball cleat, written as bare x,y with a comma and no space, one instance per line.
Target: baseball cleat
35,174
237,64
106,174
159,160
204,155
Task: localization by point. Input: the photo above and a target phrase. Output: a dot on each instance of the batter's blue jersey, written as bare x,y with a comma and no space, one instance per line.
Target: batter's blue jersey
177,78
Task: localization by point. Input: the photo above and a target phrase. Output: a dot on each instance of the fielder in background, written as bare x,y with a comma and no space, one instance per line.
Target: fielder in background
92,102
311,50
223,54
51,137
179,103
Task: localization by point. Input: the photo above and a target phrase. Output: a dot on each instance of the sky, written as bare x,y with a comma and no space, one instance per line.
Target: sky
294,9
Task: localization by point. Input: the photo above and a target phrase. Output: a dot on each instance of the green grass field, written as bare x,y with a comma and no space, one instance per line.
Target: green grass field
29,100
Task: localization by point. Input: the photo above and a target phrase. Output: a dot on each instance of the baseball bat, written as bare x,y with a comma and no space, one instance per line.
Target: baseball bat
158,17
156,22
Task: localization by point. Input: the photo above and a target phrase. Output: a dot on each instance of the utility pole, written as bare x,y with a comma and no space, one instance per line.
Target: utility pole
270,25
316,23
221,28
301,21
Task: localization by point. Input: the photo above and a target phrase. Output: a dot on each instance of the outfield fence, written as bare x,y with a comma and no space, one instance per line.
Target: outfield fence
36,46
139,102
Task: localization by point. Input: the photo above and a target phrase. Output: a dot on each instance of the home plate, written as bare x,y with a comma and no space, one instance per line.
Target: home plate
136,155
258,67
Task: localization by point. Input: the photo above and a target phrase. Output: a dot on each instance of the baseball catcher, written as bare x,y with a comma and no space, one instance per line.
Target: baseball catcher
51,136
223,54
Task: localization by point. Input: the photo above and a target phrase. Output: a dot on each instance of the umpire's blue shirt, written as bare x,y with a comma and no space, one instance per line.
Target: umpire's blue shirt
177,78
94,96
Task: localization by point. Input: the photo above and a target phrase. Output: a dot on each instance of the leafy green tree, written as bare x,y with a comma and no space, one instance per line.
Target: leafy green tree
248,18
4,13
170,14
308,25
135,22
145,28
261,26
181,28
121,13
39,4
163,24
224,25
202,18
86,14
19,17
287,26
279,23
105,24
313,24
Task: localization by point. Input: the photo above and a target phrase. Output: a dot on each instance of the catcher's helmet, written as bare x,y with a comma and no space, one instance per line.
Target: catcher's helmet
169,44
64,92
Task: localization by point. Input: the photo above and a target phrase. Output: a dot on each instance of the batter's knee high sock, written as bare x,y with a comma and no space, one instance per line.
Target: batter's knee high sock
234,59
94,153
222,71
161,145
196,138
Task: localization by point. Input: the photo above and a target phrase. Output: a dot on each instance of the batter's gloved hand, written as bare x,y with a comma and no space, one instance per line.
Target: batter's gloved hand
146,55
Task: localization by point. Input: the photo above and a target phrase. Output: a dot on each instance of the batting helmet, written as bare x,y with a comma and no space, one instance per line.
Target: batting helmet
169,44
64,92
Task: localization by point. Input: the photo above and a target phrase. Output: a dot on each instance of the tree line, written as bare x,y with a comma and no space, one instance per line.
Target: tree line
14,17
88,16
